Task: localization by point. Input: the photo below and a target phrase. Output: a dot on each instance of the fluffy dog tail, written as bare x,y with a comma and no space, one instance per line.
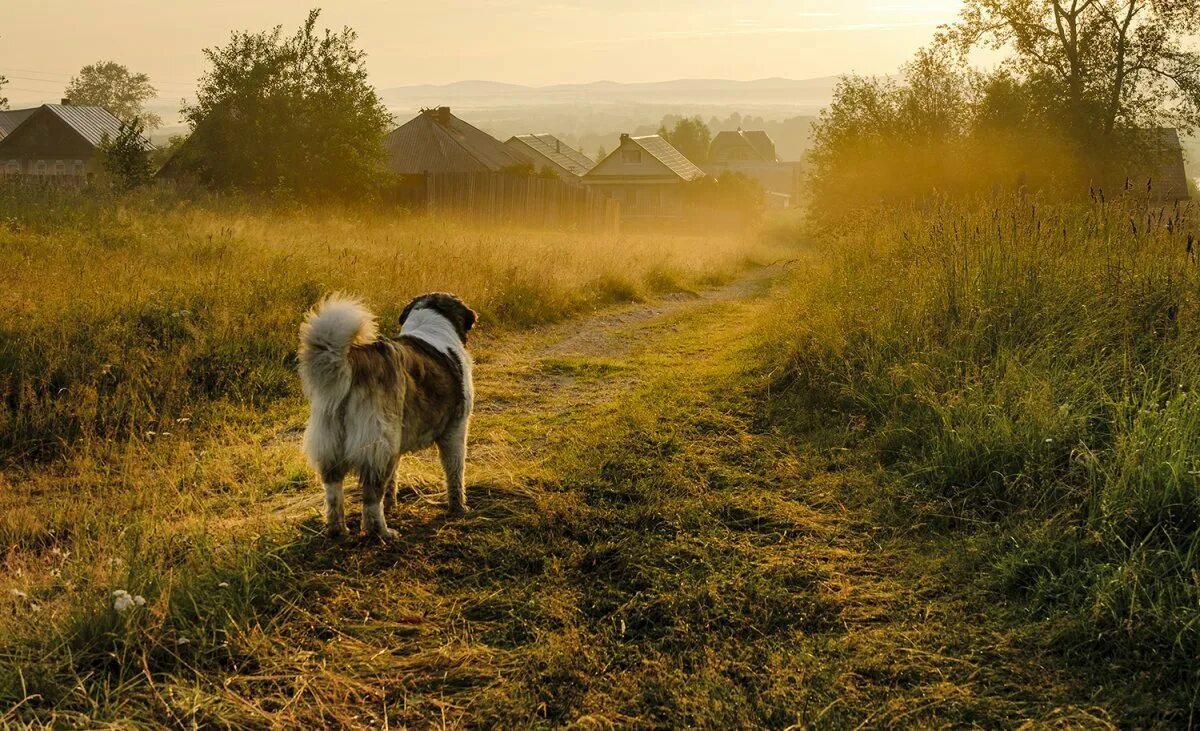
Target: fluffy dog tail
329,330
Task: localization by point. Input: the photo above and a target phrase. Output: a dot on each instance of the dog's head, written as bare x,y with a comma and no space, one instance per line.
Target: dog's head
448,306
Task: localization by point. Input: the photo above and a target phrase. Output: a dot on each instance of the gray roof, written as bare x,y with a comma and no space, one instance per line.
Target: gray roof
92,123
554,150
756,142
669,156
10,119
437,142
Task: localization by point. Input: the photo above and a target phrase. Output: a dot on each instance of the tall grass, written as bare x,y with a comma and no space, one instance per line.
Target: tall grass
121,315
1031,369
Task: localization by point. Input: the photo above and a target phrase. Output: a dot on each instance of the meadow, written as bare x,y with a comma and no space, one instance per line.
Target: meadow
151,406
1024,373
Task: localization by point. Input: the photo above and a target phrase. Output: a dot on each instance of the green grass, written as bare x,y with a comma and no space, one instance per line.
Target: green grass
1028,372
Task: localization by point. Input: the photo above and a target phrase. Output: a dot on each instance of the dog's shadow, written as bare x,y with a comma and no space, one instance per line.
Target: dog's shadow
423,530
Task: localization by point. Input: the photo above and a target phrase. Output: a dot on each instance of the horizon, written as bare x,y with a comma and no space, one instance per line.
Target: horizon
484,40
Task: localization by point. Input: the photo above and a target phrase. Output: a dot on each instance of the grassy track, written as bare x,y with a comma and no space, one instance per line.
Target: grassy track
643,552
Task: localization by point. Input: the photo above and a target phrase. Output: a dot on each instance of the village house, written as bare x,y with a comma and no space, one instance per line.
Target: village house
752,153
436,141
1163,175
646,175
547,152
60,141
741,146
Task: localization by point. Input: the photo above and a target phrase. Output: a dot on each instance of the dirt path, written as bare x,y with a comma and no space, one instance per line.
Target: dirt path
642,553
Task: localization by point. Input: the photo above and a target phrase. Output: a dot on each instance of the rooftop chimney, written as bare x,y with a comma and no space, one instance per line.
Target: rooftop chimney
443,115
624,136
65,102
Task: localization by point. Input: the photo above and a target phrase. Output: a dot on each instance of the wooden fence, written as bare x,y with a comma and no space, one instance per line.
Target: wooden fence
501,198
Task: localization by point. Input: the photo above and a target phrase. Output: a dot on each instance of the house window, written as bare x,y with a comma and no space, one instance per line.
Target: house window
60,168
13,167
77,168
40,168
633,156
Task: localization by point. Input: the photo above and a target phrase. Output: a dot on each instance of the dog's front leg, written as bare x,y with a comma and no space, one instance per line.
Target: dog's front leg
452,448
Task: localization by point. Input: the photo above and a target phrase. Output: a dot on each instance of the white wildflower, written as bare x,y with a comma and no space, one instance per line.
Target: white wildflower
18,594
124,601
1048,440
224,585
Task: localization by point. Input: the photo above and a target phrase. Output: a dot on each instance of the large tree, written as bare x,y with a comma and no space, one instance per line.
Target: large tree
111,85
1095,66
688,135
287,114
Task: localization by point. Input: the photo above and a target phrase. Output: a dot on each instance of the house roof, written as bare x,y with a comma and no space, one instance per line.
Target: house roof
90,123
93,123
10,119
436,141
554,150
669,156
756,141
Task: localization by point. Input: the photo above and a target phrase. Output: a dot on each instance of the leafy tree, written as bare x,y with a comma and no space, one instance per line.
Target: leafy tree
1094,66
113,86
3,99
294,114
689,135
127,156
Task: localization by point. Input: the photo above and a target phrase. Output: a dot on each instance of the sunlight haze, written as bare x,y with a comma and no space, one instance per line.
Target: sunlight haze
499,40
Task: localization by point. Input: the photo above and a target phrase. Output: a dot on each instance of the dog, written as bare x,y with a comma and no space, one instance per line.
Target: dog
375,398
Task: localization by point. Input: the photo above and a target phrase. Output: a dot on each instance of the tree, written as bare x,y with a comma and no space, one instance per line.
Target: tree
126,157
110,85
3,99
1094,66
287,114
689,135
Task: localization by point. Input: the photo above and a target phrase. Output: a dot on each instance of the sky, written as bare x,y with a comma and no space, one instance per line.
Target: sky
537,43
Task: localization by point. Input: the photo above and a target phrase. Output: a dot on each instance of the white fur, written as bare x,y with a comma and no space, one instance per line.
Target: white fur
432,327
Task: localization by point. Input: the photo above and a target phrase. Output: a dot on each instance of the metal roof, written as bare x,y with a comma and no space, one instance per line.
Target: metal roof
669,156
436,141
557,152
10,119
92,123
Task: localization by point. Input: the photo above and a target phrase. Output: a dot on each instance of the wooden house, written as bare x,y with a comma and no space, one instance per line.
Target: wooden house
58,141
646,175
752,153
742,146
436,141
547,152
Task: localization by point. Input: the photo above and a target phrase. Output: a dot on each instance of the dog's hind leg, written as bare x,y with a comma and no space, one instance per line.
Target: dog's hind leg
452,448
389,493
374,484
335,506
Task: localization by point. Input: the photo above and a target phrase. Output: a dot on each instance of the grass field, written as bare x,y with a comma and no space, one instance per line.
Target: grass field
937,469
151,404
1026,374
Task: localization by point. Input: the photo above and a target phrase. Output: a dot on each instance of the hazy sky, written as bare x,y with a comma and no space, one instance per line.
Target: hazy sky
43,43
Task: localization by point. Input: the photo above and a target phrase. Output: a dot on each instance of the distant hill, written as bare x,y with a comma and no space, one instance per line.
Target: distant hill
798,96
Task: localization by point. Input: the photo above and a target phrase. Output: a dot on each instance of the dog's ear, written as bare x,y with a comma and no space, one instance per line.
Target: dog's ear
408,310
469,319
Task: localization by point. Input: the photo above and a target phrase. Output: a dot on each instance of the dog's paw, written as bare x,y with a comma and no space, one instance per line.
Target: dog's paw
336,530
387,535
458,511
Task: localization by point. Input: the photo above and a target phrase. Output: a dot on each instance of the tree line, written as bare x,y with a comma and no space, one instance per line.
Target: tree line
1068,106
